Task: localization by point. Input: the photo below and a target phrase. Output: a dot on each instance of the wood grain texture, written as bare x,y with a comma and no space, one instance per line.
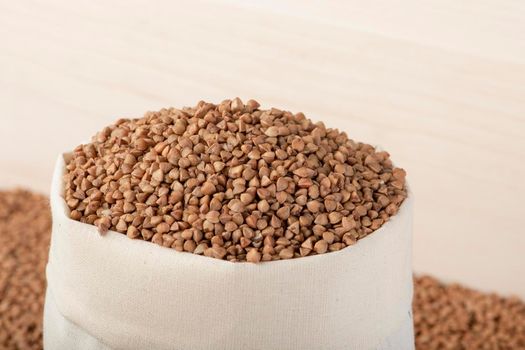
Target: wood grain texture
439,84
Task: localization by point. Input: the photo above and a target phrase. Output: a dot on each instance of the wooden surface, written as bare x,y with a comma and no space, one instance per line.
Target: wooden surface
440,84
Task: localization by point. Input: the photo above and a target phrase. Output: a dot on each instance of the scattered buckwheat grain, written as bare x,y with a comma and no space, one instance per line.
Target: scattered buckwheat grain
455,317
232,181
25,225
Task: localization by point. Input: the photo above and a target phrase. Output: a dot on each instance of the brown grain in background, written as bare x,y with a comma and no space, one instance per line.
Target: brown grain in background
25,225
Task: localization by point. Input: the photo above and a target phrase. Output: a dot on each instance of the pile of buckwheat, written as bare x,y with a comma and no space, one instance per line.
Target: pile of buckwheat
455,317
234,182
25,225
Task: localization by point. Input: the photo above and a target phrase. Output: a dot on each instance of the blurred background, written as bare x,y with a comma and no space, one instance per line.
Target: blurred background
440,84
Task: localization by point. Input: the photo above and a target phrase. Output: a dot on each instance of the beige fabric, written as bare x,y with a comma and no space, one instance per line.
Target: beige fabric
63,334
131,294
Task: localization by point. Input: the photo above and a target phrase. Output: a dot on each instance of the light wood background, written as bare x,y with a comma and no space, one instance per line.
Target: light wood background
440,84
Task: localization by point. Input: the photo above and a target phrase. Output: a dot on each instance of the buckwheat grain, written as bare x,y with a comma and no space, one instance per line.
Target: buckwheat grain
232,181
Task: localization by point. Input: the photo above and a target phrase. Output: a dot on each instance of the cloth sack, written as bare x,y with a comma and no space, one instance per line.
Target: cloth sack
112,292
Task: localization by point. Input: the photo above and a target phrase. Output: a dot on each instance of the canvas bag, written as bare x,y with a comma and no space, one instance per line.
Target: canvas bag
112,292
